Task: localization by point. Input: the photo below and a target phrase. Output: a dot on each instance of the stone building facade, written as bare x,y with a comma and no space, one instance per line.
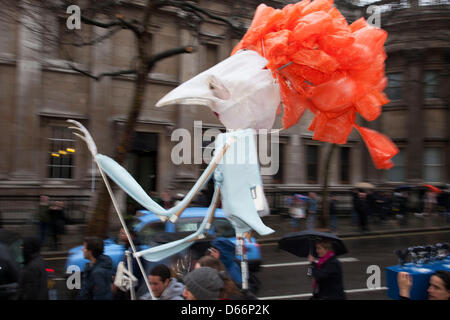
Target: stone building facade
38,92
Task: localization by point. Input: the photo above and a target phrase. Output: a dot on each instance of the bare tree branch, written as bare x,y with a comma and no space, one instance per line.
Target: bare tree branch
101,75
150,63
189,6
168,53
94,41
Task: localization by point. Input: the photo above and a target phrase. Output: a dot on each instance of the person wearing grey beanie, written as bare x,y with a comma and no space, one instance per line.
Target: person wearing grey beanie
203,283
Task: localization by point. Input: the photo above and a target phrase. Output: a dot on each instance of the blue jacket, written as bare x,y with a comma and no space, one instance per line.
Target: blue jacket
97,279
227,256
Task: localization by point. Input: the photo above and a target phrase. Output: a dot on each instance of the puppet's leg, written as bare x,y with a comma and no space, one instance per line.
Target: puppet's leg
125,228
241,251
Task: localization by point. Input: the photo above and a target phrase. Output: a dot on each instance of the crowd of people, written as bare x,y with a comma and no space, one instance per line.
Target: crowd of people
371,206
379,206
214,276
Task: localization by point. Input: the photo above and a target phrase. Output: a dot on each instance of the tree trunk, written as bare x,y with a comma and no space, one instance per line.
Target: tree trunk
324,218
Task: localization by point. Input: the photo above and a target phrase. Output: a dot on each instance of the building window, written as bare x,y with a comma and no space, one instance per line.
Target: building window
312,163
394,87
397,172
345,165
433,164
212,55
431,84
61,161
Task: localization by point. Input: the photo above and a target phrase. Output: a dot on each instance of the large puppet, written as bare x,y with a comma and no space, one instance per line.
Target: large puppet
304,56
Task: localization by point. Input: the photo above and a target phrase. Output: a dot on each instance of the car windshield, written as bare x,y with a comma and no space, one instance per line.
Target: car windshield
149,231
222,227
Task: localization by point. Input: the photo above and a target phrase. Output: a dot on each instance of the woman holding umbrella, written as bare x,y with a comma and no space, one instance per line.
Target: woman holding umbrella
327,275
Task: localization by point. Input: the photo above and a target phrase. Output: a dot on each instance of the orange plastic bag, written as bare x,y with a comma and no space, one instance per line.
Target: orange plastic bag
316,59
275,47
264,21
334,95
369,107
333,130
298,74
294,105
381,148
318,5
293,12
313,24
326,65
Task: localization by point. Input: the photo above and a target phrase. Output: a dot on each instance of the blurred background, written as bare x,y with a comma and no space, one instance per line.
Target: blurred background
49,73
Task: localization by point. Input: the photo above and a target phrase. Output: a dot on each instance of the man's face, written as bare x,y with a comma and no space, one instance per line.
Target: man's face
157,285
123,236
86,253
437,290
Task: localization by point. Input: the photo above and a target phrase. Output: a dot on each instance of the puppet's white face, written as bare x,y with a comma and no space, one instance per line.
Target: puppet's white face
239,89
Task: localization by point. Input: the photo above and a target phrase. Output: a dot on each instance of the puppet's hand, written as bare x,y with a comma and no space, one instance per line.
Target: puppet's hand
85,135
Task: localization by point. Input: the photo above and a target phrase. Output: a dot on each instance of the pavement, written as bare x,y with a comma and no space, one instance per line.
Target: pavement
281,223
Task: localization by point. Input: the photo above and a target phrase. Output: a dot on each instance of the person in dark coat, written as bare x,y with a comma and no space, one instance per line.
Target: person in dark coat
333,213
56,215
361,210
43,218
9,274
33,277
403,208
328,283
354,213
224,250
98,273
141,287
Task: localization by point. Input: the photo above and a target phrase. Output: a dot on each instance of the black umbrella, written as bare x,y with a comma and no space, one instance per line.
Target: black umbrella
302,243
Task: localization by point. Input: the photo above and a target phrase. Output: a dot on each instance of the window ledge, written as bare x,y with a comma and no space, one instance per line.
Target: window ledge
8,59
434,103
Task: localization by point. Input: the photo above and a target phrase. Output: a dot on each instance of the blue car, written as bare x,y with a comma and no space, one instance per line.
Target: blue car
149,228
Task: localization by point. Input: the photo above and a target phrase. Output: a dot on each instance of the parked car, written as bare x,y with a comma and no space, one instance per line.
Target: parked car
151,231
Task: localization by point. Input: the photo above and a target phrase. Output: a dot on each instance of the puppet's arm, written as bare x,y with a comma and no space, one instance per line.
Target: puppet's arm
165,250
127,183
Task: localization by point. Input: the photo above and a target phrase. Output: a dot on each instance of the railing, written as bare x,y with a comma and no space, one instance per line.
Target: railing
278,200
24,209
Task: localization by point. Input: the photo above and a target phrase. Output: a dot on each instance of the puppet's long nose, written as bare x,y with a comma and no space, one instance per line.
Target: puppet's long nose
192,92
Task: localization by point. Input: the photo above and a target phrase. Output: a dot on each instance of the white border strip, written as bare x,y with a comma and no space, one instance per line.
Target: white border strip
303,295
